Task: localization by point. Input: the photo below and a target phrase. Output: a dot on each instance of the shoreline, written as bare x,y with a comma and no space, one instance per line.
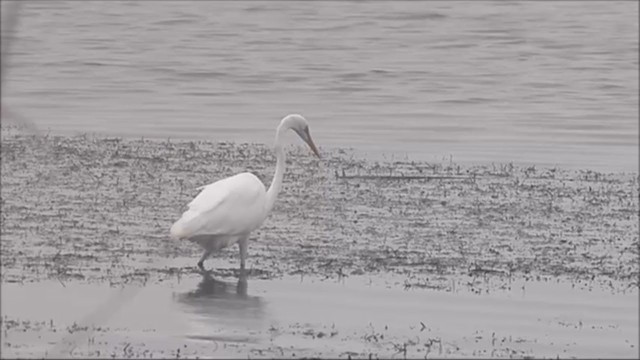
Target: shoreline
373,153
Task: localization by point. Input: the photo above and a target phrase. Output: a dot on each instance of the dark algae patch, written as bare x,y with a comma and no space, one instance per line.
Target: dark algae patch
88,208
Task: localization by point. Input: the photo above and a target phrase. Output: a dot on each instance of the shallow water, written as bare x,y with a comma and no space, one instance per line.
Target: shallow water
552,83
204,316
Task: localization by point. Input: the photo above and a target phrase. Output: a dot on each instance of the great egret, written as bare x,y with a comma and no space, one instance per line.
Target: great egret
228,210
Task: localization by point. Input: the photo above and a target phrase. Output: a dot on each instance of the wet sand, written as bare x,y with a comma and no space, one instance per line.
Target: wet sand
495,260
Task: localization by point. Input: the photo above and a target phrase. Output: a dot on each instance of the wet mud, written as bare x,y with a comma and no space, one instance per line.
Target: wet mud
90,216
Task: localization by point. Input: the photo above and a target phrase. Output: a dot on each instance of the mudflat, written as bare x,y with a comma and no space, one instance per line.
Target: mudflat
359,258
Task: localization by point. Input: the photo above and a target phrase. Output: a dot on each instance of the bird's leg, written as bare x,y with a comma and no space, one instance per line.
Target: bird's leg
203,258
243,243
241,288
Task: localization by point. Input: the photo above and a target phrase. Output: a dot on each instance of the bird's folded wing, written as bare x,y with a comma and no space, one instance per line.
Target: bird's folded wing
230,206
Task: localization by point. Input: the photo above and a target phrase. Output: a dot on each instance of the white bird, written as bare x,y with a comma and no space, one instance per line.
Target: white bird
228,210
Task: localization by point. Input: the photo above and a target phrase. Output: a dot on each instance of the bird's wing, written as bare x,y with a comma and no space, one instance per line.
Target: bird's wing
234,205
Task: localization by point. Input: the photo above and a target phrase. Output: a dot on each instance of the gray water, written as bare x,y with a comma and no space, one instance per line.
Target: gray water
533,82
210,317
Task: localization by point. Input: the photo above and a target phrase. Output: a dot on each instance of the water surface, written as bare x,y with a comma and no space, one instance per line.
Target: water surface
552,83
204,316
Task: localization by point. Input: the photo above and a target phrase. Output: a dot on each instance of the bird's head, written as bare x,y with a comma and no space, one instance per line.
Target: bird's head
300,125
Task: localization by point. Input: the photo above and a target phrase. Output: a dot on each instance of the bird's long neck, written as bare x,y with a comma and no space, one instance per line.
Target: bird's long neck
276,183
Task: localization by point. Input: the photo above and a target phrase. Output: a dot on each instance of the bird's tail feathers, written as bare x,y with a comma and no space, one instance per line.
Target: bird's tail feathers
177,231
188,225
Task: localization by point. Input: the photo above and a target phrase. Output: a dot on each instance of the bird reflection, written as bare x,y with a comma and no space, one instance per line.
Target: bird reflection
212,288
224,310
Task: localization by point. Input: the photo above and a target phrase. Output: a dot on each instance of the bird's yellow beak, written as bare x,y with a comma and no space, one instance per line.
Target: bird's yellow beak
309,141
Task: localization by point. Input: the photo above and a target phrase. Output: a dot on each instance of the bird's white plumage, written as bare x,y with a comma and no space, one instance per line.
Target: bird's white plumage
230,206
227,211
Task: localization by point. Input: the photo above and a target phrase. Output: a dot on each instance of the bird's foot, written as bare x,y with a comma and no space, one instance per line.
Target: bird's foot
204,272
